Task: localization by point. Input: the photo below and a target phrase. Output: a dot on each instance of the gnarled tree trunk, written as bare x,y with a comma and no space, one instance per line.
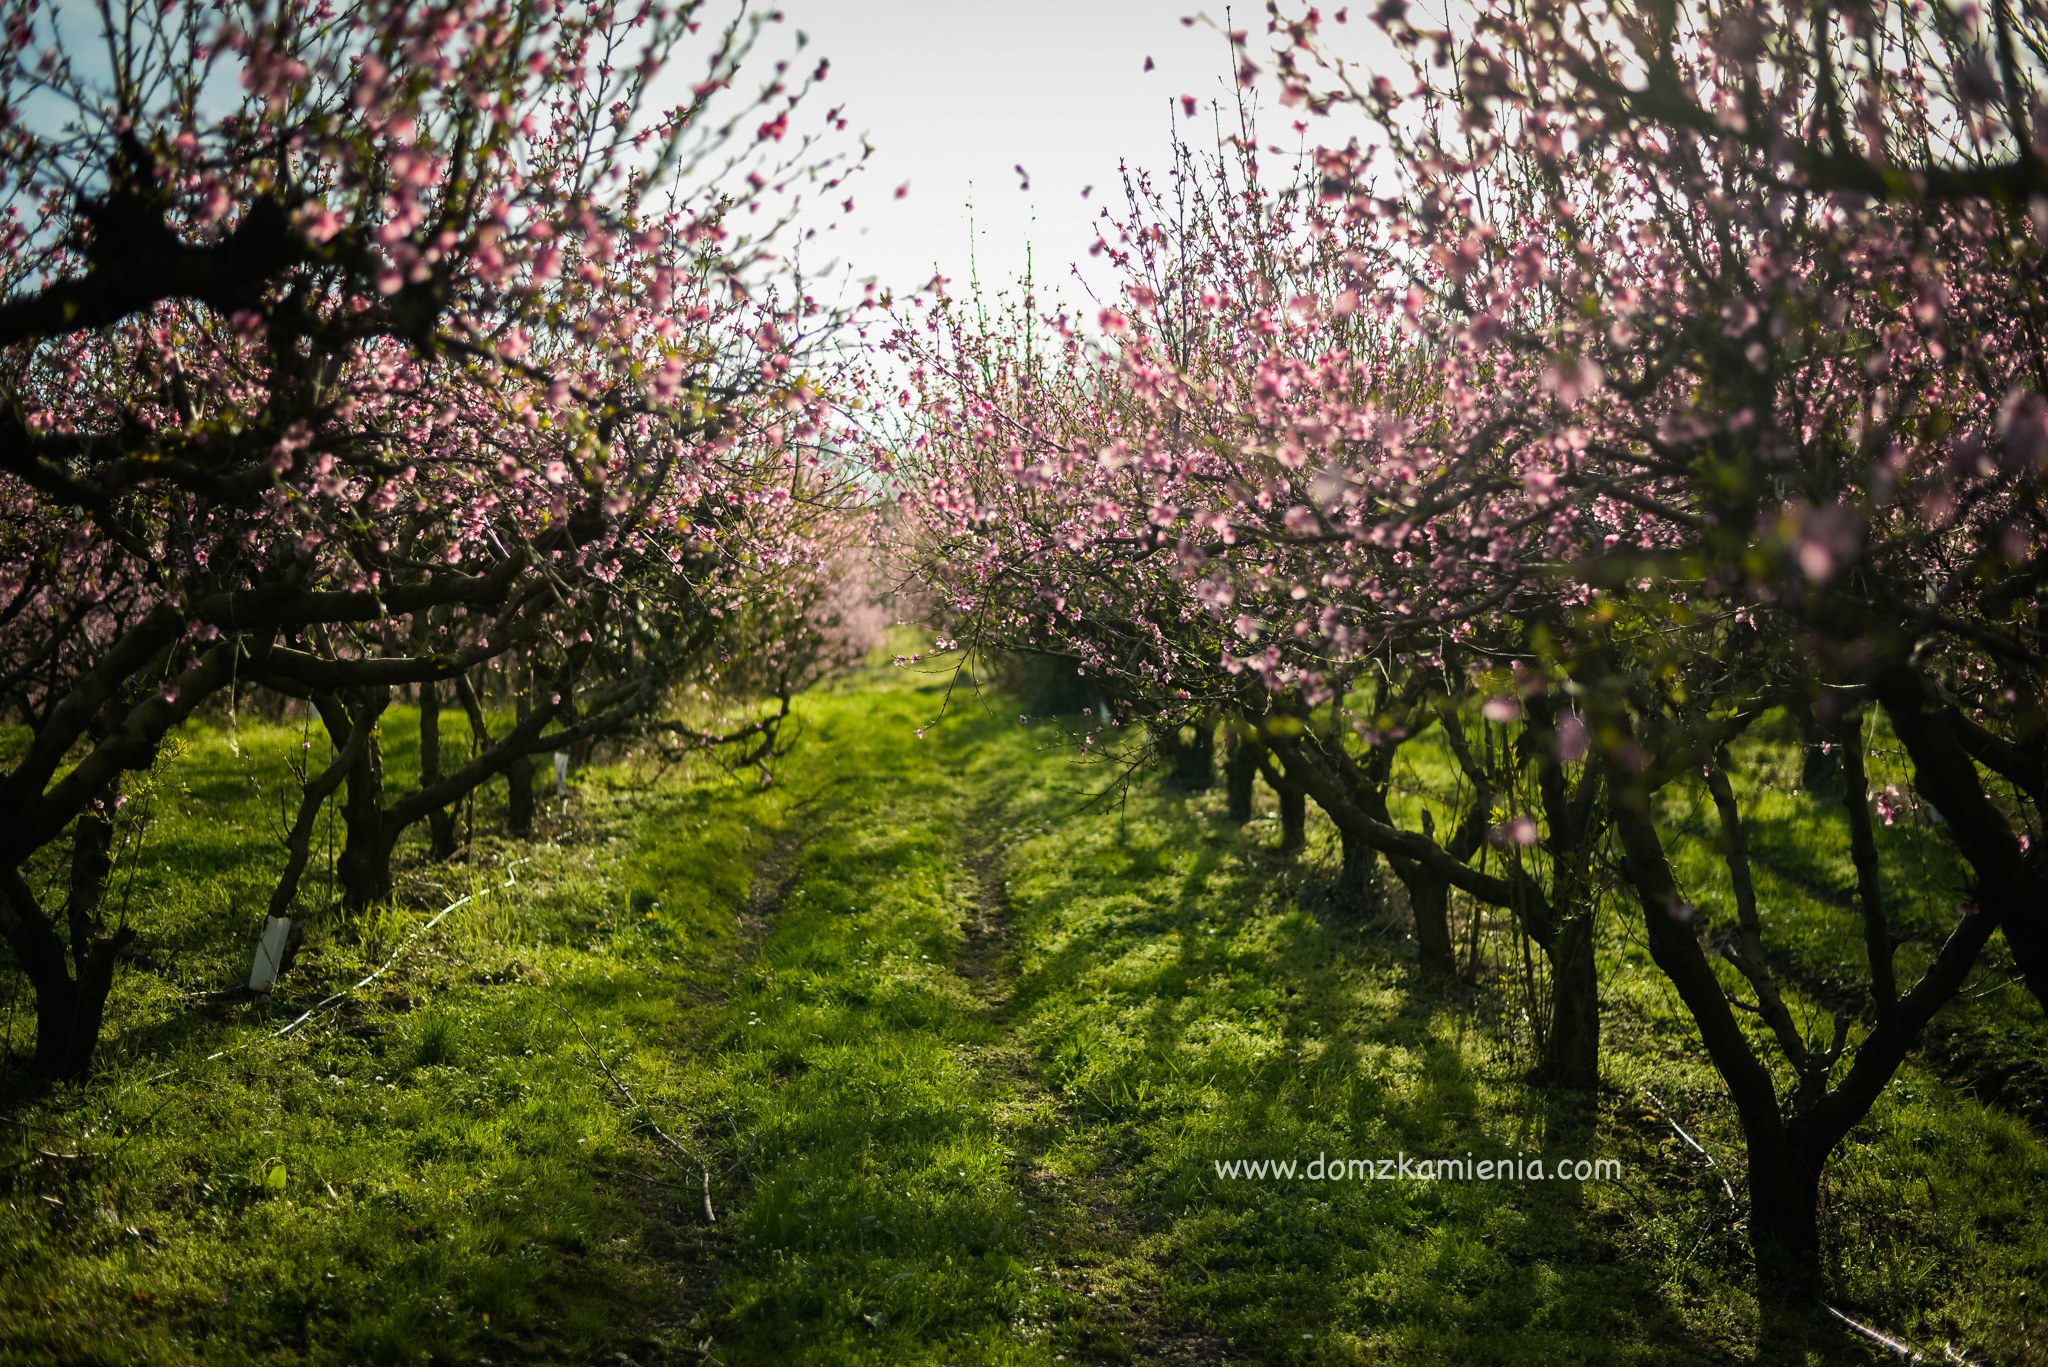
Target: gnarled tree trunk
364,866
1787,1155
519,775
2011,876
1191,755
1429,901
1784,1217
71,998
1241,755
441,820
1293,807
1571,1050
1358,878
298,842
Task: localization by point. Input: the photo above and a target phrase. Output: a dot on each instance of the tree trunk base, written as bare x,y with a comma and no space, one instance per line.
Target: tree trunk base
69,1015
1240,775
1571,1055
1360,893
442,843
519,798
1191,756
1293,819
1429,901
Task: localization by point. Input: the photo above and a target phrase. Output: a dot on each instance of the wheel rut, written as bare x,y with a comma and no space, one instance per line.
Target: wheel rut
1089,1237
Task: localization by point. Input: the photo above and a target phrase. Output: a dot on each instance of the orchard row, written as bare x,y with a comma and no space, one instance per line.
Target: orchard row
1628,376
389,347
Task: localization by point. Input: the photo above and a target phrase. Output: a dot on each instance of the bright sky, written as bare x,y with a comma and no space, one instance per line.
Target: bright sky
955,94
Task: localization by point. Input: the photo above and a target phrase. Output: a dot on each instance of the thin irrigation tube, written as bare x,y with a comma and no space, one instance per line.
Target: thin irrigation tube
1693,1144
336,998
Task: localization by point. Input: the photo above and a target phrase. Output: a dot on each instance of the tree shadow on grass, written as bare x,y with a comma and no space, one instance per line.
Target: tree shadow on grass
1266,1033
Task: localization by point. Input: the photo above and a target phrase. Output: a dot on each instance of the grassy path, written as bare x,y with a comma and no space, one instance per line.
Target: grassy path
977,1074
952,1056
883,1126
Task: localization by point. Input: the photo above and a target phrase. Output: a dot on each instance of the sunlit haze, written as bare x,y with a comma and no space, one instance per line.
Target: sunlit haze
955,96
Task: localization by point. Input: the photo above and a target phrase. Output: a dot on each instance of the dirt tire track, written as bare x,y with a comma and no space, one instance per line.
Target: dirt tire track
1089,1235
702,1253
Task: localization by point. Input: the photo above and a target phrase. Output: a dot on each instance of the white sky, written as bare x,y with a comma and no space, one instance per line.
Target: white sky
954,94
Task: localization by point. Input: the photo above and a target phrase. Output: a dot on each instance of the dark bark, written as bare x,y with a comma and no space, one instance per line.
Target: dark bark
519,776
1429,892
68,1019
2025,924
136,258
1787,1248
364,866
1190,753
298,842
1784,1219
1571,1050
1429,899
1566,916
2011,884
1877,934
1449,864
1389,840
1242,751
1293,820
1787,1152
93,955
440,820
519,798
375,824
40,953
125,736
71,997
1358,878
1293,806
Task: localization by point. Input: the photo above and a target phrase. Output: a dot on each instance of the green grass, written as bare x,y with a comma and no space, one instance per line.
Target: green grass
433,1171
952,1054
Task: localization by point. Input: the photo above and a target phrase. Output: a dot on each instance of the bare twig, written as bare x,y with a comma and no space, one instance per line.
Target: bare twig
690,1159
